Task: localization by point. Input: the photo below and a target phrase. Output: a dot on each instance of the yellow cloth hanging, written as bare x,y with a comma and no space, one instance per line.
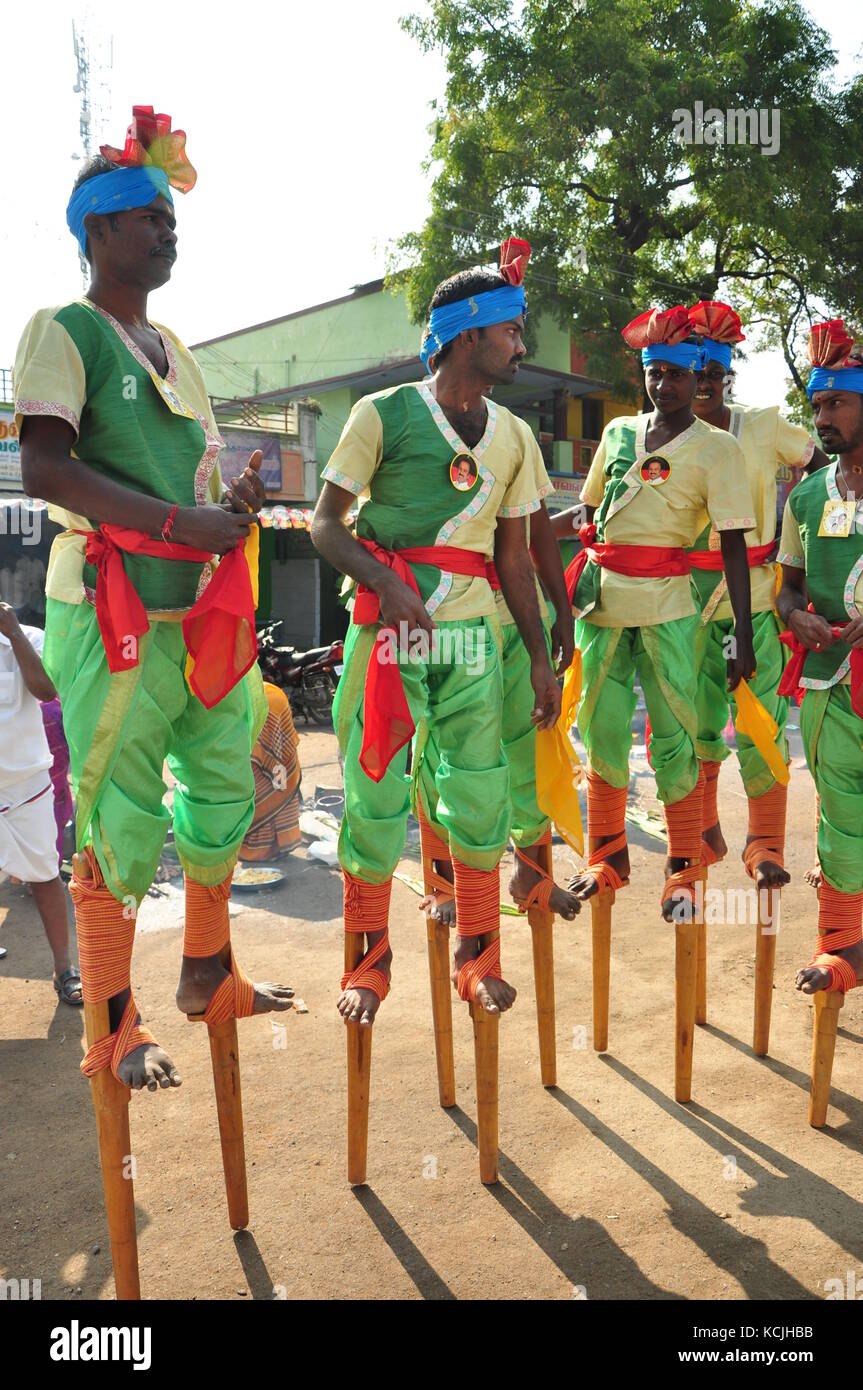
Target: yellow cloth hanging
754,721
557,766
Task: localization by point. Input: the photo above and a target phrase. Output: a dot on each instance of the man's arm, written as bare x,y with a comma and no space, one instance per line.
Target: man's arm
332,539
49,471
810,629
565,524
515,572
736,566
35,676
546,554
818,460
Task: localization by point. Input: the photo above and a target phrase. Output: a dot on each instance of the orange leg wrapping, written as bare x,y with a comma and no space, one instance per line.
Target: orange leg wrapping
208,933
606,816
840,924
684,820
366,909
767,826
477,897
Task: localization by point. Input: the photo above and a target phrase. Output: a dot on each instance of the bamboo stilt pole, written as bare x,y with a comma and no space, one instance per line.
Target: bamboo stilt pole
542,937
765,960
827,1008
111,1104
685,990
441,996
359,1050
485,1041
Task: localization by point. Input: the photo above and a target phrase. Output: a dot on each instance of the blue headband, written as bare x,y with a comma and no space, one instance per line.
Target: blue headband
835,379
478,311
117,191
687,355
718,352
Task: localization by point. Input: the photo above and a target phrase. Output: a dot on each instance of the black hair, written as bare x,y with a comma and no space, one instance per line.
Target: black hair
456,287
95,166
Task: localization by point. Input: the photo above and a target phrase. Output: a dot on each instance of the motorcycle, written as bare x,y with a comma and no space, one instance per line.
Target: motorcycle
309,678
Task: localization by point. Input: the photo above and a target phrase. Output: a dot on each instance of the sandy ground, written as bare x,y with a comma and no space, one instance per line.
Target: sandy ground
607,1185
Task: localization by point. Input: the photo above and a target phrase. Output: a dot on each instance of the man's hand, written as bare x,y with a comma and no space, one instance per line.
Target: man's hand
247,493
399,604
211,528
563,641
741,666
547,691
813,631
9,625
852,633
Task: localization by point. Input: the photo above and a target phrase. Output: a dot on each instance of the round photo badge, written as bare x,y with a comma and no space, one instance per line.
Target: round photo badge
463,472
655,470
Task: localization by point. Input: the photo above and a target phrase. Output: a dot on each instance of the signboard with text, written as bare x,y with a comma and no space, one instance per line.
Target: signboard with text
10,453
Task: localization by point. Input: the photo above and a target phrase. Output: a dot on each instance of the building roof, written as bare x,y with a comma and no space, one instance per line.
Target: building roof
372,287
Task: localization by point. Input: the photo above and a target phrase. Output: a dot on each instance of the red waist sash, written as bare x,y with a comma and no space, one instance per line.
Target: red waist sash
387,722
638,561
219,630
712,559
793,673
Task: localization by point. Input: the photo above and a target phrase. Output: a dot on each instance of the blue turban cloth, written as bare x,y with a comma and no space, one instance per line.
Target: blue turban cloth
477,311
835,379
688,355
119,190
717,352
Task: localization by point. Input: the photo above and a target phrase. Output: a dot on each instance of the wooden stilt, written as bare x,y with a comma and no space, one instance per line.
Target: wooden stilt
485,1041
600,915
225,1055
685,990
441,996
359,1044
701,975
827,1008
542,935
111,1104
765,959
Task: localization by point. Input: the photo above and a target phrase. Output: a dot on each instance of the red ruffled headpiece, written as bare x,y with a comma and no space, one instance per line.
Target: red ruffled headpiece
514,256
830,345
718,321
668,326
150,140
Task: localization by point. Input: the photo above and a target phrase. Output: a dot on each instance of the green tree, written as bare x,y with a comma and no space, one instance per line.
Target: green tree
559,124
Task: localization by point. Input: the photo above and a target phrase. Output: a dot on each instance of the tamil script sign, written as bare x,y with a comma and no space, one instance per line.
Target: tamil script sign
567,491
10,453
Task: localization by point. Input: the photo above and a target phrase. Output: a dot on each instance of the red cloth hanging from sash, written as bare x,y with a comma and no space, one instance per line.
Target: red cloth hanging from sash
219,630
793,673
387,722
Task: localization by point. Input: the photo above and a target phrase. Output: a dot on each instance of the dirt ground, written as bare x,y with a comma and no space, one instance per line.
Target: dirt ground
609,1189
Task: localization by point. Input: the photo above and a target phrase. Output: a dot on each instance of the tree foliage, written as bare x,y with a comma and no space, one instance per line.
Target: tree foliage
557,124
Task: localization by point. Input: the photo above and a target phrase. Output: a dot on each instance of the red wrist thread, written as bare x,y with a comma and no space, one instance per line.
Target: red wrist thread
169,524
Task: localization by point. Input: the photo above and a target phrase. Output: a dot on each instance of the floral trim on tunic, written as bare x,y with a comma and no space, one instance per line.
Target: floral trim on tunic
435,599
453,439
797,562
806,455
49,408
475,505
523,509
744,523
830,483
132,346
333,475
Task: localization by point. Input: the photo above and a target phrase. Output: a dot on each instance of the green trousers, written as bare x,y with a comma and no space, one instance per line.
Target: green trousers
455,697
518,736
121,728
833,744
663,655
714,699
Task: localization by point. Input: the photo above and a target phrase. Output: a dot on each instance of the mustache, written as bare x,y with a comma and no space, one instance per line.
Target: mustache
162,251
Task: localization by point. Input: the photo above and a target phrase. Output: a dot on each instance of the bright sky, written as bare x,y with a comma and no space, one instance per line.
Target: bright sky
307,124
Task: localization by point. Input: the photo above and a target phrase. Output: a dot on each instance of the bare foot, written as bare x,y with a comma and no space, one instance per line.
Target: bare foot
443,912
813,876
716,840
769,874
358,1005
584,885
813,978
565,904
201,976
149,1065
495,996
680,907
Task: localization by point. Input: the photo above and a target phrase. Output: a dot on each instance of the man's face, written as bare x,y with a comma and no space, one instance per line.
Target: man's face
142,247
710,389
464,472
839,420
499,351
669,387
654,469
